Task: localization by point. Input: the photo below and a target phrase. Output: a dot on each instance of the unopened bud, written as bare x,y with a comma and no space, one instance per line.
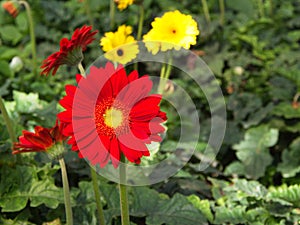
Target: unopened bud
16,64
238,70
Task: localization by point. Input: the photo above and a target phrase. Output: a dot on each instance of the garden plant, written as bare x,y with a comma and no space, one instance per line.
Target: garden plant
149,112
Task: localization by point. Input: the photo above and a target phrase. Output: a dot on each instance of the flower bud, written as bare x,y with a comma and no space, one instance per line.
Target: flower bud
238,70
16,64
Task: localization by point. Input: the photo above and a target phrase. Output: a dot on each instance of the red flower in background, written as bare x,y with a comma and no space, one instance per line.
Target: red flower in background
70,52
41,140
110,113
11,8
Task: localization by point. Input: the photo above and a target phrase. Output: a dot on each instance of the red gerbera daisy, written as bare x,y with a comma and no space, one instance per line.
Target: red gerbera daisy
70,52
110,113
42,140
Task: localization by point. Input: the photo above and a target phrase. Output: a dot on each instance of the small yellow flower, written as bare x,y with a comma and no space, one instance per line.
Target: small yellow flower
172,30
123,4
120,46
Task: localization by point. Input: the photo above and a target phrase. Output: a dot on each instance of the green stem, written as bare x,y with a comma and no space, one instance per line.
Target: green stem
81,69
88,12
112,10
169,67
9,126
7,121
270,7
97,196
140,29
261,8
67,197
123,194
165,74
161,84
141,21
32,35
206,11
296,97
222,12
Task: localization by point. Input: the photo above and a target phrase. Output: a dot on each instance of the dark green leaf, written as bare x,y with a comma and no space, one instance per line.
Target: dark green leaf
176,211
290,164
10,33
253,150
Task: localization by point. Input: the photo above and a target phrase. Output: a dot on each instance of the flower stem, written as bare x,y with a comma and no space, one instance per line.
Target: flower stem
7,121
161,84
141,21
123,194
271,7
32,35
164,75
222,12
81,69
206,11
88,12
140,28
67,198
9,126
169,67
261,8
97,196
112,10
296,97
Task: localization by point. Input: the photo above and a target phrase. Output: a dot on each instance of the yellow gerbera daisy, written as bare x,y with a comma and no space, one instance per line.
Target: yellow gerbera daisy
120,46
172,30
123,4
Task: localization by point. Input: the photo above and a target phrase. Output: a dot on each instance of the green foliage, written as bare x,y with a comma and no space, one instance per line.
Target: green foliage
21,184
255,177
290,164
253,151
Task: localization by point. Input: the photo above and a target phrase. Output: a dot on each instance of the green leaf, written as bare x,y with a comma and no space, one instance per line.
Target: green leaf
4,87
290,194
14,186
20,184
45,192
84,211
10,33
281,88
22,22
290,164
8,53
27,103
159,208
286,110
245,6
176,211
203,206
235,167
4,69
251,188
236,215
140,195
257,216
253,151
244,105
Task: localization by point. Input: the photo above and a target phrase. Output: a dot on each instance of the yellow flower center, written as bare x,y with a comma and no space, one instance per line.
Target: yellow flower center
113,117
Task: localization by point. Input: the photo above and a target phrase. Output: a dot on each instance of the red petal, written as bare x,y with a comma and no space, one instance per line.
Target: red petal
114,152
146,109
